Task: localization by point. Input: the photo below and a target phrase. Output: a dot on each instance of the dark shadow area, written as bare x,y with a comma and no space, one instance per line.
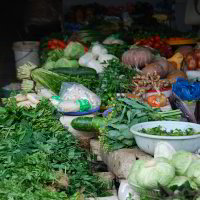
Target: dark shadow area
13,16
11,22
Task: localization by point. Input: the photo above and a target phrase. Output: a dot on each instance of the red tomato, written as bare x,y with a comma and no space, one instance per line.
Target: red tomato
157,38
85,49
151,39
157,45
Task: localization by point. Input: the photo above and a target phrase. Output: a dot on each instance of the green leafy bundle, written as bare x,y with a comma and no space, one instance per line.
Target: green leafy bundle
40,159
116,78
126,113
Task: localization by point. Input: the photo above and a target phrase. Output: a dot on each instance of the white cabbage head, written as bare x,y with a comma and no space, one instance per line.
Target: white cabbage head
181,161
155,172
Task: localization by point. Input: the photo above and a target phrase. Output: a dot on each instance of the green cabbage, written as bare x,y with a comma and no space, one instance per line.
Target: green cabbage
193,171
74,51
181,180
164,149
155,172
181,161
49,65
64,62
134,170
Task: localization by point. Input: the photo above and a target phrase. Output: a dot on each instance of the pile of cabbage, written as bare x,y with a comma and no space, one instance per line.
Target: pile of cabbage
65,58
168,168
74,56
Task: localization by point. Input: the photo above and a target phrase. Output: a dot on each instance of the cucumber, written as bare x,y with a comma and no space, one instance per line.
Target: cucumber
75,71
87,124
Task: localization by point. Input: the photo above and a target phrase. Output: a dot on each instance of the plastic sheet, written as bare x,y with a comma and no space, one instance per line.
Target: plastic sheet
185,90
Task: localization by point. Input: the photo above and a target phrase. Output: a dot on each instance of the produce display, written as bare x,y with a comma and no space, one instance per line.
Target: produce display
193,60
167,175
144,83
40,159
180,41
157,43
162,132
125,73
114,130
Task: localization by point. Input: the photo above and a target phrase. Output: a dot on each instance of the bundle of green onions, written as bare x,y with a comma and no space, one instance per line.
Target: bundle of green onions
30,74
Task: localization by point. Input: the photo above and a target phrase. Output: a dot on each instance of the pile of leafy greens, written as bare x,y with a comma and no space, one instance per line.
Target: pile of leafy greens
40,159
122,115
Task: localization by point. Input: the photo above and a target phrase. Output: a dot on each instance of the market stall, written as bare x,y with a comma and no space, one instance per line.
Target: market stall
109,111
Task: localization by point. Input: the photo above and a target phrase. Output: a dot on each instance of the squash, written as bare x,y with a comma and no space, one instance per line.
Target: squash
178,59
176,74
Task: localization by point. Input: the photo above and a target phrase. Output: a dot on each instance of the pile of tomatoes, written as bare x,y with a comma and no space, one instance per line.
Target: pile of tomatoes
157,43
56,44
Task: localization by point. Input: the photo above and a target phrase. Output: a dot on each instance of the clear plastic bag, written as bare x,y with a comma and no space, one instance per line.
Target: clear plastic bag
76,92
75,98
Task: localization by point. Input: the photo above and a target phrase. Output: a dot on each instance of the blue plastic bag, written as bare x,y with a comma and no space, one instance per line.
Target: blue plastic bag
185,90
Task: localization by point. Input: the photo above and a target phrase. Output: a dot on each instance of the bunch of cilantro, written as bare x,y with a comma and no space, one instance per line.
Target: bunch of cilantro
39,159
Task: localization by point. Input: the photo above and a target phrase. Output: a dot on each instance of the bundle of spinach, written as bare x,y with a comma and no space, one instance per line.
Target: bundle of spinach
40,159
116,78
115,134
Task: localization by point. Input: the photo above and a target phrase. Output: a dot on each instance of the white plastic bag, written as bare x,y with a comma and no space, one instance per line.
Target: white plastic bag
75,92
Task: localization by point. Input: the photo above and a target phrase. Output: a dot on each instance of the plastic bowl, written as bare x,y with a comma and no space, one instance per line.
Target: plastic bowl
147,143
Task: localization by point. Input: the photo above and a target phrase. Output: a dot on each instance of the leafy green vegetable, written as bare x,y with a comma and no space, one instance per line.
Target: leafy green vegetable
40,159
74,51
154,172
116,78
64,62
159,130
53,81
126,113
49,65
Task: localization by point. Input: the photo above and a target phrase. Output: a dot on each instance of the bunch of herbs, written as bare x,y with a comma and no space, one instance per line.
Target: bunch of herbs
116,78
40,159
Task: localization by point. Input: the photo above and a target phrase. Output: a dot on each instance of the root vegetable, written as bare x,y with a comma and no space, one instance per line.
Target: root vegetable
152,68
172,66
197,53
34,98
137,57
20,98
184,50
27,104
191,61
